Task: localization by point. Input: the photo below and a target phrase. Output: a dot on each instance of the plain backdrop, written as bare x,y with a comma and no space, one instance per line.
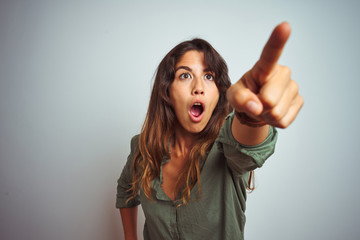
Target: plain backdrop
75,81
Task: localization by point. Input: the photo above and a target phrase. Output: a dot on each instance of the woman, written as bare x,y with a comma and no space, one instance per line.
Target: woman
191,165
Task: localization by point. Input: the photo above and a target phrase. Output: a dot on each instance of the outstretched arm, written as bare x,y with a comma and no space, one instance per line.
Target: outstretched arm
266,93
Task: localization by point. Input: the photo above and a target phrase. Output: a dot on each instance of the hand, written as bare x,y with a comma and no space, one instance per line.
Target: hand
267,92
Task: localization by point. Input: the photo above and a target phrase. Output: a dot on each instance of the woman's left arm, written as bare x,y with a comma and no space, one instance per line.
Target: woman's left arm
265,95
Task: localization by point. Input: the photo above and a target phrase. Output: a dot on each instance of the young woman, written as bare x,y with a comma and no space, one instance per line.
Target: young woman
192,163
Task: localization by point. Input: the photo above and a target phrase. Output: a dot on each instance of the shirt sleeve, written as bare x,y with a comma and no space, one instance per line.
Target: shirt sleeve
240,158
124,182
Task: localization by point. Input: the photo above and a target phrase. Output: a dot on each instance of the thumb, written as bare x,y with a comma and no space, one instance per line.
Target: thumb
242,99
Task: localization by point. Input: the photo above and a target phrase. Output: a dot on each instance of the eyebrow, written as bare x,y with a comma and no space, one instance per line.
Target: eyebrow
183,67
190,70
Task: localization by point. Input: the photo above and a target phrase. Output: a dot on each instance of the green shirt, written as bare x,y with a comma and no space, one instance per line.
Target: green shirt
219,213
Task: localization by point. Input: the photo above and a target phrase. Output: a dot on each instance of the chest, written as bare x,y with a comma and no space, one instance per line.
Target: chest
216,212
170,177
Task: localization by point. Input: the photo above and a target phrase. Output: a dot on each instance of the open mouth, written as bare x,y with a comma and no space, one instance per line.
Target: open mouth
196,109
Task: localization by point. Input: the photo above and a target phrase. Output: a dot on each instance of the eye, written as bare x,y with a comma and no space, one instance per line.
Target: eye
185,76
209,76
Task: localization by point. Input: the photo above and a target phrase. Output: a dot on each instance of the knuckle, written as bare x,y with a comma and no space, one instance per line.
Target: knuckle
286,70
269,100
282,125
301,100
295,86
276,114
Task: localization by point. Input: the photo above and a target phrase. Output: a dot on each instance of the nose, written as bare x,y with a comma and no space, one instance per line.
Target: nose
198,92
198,88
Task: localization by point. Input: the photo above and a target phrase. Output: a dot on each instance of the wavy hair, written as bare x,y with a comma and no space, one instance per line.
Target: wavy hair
160,120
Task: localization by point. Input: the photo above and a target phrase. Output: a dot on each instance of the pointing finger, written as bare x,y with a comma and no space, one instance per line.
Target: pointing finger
273,48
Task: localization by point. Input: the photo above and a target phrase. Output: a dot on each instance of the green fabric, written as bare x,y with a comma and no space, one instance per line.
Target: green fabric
219,213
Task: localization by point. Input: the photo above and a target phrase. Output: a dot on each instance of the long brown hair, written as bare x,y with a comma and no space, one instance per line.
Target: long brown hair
160,119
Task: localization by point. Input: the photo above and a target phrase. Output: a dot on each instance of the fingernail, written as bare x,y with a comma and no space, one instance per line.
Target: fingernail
252,107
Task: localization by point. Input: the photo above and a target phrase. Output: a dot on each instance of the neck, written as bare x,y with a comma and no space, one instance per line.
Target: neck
182,142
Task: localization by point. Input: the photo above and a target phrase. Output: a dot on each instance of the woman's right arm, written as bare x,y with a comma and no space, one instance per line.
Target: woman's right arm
129,221
128,206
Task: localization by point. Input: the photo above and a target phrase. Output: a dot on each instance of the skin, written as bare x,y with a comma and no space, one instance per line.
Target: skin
192,83
129,221
266,93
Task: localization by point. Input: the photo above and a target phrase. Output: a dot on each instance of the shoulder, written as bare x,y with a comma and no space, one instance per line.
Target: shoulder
134,143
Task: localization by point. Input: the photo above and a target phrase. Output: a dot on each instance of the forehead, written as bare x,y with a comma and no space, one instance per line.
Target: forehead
192,57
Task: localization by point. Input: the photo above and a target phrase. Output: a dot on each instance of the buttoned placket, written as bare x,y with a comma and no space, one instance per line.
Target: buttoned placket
161,196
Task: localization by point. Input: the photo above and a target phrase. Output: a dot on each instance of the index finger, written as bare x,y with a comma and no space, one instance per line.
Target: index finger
273,48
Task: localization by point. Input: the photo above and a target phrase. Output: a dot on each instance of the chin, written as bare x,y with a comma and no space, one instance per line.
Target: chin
196,129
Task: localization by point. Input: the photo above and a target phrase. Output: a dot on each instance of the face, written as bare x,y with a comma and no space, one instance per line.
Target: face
193,92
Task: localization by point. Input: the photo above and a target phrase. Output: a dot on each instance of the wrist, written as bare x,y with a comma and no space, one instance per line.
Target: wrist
248,121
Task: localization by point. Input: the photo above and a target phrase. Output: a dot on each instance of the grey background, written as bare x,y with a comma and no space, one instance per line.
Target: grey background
75,84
